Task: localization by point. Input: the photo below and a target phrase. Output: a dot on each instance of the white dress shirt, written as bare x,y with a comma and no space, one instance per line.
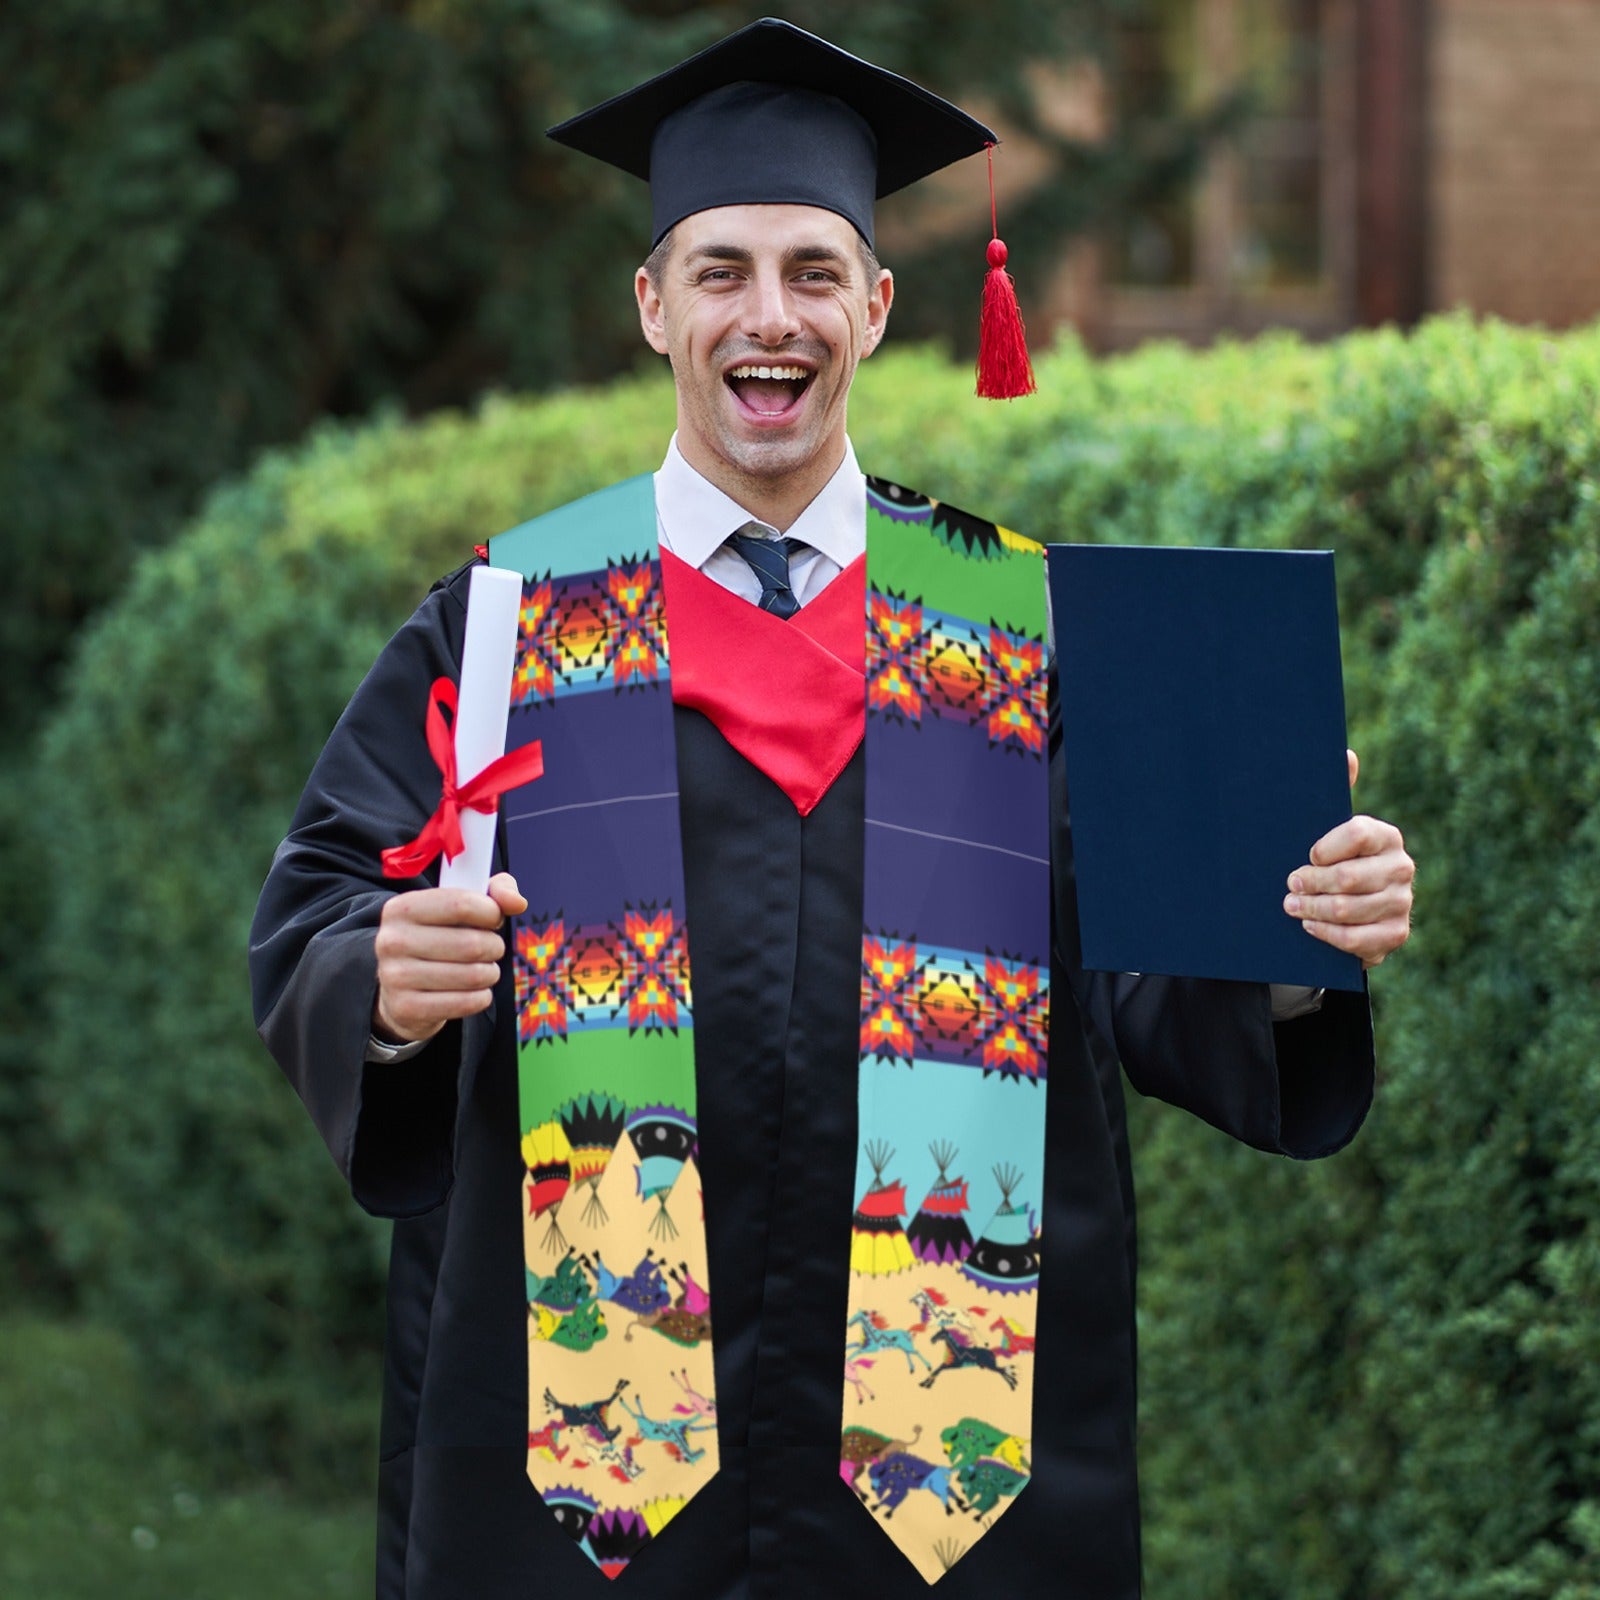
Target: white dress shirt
693,520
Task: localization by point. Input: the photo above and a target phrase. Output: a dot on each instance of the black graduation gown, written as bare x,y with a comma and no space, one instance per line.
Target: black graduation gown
774,905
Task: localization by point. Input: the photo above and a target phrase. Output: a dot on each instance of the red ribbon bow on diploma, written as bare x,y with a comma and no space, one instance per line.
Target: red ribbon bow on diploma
442,831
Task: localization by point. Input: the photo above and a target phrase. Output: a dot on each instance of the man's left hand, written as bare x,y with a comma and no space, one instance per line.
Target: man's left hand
1355,893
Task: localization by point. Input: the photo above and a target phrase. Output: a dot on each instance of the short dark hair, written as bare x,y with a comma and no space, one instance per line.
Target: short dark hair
655,264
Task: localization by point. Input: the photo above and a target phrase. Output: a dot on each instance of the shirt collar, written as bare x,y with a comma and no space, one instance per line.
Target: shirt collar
695,517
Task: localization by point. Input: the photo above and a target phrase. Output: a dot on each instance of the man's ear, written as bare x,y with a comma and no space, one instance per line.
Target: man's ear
878,303
652,315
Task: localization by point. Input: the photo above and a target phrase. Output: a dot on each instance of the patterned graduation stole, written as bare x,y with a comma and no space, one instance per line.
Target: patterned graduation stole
621,1416
944,1265
937,1363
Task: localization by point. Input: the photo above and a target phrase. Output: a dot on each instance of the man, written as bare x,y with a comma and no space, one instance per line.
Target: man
395,1016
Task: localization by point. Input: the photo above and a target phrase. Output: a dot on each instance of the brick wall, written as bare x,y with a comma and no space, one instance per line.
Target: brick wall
1514,158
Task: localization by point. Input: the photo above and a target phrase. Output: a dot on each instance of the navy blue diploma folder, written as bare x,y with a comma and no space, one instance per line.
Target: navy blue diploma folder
1202,709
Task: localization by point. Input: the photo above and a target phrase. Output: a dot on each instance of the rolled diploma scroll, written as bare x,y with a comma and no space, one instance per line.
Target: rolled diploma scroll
488,659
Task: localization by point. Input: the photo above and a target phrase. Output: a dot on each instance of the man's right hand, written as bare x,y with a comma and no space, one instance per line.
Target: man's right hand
439,954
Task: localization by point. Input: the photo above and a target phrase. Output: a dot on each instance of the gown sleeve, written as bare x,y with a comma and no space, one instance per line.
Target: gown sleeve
1300,1088
390,1127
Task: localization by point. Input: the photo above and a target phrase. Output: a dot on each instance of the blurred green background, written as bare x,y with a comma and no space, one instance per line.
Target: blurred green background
295,309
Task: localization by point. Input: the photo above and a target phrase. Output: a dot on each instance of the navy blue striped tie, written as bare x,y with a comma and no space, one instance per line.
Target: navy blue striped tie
769,560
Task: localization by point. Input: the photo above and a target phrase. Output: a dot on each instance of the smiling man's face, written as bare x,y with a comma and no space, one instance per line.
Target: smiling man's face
764,311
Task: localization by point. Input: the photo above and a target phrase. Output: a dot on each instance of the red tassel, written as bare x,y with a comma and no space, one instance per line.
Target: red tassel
1004,370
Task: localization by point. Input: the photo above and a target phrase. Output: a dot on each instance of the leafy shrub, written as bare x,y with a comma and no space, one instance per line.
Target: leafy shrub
1377,1377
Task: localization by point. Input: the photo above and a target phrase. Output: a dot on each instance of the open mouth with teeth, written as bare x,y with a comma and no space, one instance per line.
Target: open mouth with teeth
769,391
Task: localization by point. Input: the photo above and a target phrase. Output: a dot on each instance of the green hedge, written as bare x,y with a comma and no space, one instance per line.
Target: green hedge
1378,1377
1374,1377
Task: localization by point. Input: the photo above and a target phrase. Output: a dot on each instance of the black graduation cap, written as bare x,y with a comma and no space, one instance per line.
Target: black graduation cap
774,115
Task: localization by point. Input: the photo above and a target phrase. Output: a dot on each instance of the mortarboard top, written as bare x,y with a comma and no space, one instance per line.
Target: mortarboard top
773,115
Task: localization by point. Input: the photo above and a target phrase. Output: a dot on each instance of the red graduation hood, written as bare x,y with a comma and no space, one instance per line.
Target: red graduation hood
789,696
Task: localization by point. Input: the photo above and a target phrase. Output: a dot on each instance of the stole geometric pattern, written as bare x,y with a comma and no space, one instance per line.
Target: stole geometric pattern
926,663
631,972
590,630
922,1003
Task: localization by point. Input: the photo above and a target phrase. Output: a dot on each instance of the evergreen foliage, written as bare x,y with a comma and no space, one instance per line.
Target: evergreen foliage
1371,1377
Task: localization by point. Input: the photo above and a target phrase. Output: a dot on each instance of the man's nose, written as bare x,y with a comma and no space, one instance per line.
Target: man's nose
772,319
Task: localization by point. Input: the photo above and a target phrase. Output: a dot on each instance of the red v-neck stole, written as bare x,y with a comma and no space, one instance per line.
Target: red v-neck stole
789,696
